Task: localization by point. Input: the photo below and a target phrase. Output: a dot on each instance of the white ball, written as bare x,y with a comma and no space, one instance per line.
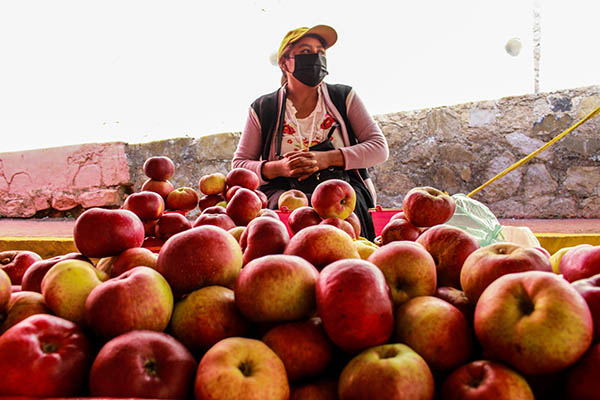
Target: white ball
513,47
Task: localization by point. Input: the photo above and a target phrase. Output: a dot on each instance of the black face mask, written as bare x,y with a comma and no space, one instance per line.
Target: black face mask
310,69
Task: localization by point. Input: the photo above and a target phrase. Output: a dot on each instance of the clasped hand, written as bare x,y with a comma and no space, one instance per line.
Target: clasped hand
301,164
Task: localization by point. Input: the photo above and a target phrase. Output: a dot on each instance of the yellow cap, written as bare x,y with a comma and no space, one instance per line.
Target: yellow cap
328,34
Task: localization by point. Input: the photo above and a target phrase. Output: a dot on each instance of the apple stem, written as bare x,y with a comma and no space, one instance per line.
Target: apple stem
150,367
246,368
49,347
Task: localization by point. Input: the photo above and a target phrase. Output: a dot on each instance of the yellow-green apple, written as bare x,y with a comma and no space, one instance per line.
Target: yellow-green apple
579,262
16,262
355,305
242,177
209,201
21,305
130,258
182,199
341,224
319,389
66,286
303,217
263,236
237,232
243,206
303,346
365,248
484,379
399,229
449,246
169,224
276,288
408,269
436,330
334,198
44,356
388,371
5,291
589,288
263,198
355,222
321,245
208,217
239,368
161,187
32,278
159,168
488,263
458,299
581,380
138,299
102,232
427,206
202,256
521,319
143,364
206,316
212,183
149,206
292,199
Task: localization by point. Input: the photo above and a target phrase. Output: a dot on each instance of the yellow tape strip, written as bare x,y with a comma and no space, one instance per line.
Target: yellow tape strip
535,153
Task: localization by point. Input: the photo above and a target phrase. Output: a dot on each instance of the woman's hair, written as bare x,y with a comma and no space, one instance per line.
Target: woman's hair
286,53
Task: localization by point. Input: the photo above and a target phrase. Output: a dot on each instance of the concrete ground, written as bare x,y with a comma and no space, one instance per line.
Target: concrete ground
49,237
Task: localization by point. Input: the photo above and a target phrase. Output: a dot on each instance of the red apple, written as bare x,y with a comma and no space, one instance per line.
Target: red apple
143,364
427,206
408,269
276,288
292,199
389,371
206,316
458,299
161,187
449,246
263,236
436,330
170,224
131,258
101,233
223,221
243,206
321,245
488,263
241,369
303,217
5,291
355,222
483,379
21,305
231,191
211,184
149,206
589,288
303,347
138,299
182,199
341,224
209,201
334,198
580,262
35,273
319,389
581,380
159,168
202,256
16,262
267,212
520,319
399,229
243,177
216,209
263,198
44,356
354,302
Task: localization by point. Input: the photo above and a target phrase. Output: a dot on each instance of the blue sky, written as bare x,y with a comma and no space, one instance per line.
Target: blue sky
97,71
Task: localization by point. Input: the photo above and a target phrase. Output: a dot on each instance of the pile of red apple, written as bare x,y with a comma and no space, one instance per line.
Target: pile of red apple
246,311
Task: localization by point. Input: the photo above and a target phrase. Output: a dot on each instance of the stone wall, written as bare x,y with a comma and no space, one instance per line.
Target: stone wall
455,148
